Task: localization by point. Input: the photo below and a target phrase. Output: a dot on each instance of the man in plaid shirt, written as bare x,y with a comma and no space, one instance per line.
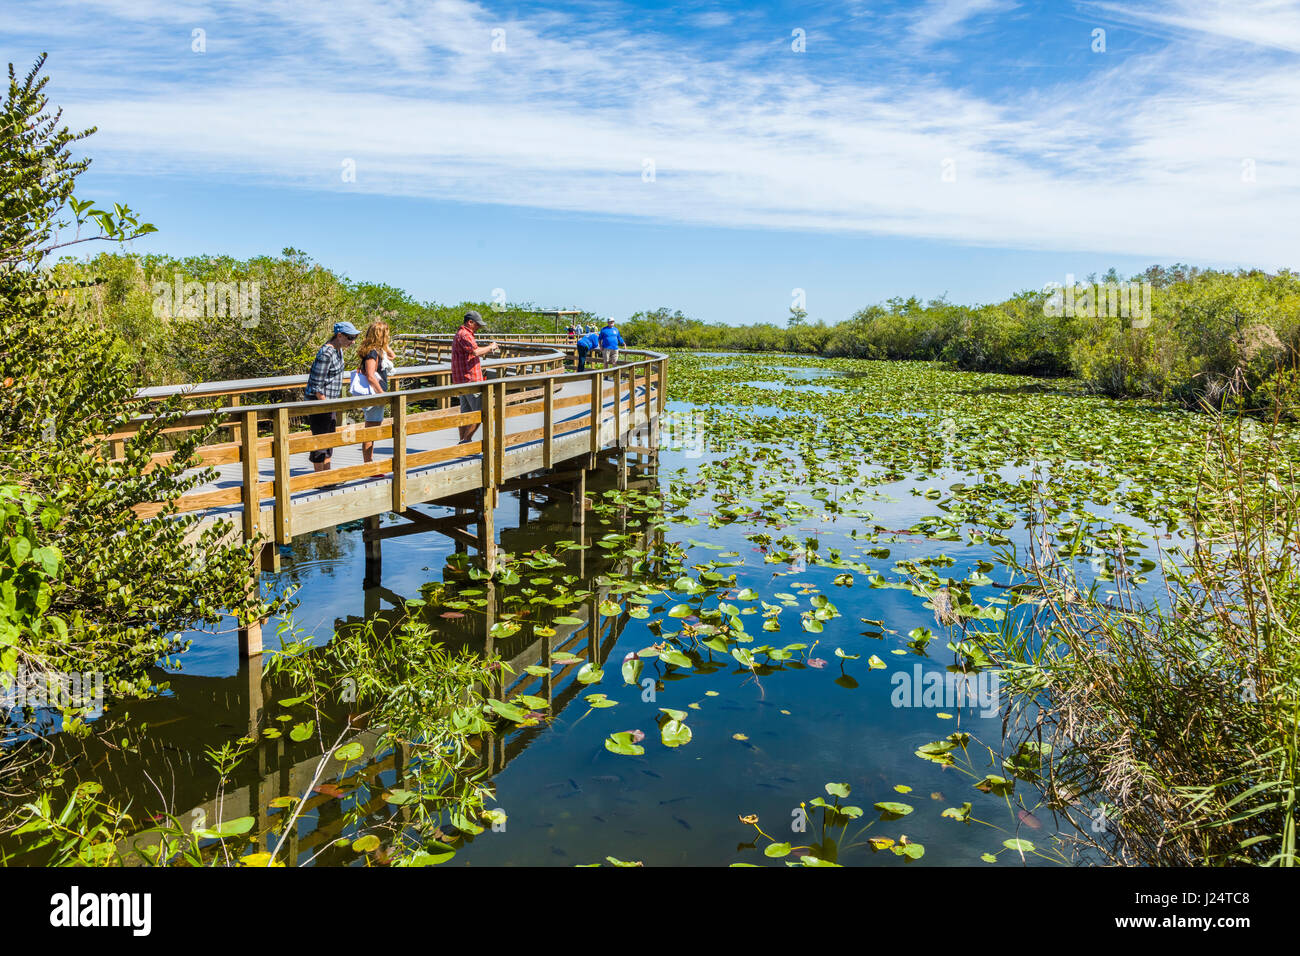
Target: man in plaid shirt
467,367
325,380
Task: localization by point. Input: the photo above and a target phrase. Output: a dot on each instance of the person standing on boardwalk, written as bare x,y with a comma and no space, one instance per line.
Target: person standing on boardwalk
584,346
326,381
611,340
377,360
467,367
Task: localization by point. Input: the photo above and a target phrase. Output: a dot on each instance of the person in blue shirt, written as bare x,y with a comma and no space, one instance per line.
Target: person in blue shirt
611,340
585,344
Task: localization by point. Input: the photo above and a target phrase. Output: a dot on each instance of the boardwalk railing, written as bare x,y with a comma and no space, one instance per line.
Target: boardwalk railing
565,415
436,347
517,358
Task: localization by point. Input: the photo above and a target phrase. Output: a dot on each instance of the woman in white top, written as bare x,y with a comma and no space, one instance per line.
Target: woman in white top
377,360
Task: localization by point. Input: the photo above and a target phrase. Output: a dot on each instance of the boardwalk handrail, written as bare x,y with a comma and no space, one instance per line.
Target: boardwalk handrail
601,413
195,418
528,354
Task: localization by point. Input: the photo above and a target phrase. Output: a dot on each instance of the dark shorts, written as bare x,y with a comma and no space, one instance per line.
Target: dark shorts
471,402
322,424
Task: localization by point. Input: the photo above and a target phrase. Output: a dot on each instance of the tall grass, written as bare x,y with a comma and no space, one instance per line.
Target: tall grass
1174,725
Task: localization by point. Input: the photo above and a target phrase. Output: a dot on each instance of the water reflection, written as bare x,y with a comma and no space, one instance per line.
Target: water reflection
158,755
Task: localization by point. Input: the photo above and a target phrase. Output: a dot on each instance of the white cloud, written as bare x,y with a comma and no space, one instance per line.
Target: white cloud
1268,23
1143,158
940,20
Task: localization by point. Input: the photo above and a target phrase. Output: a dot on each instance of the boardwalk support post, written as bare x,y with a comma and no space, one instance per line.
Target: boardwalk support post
580,498
374,554
460,542
271,557
250,632
250,639
487,540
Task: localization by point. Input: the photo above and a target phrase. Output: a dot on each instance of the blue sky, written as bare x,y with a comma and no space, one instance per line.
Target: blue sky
854,151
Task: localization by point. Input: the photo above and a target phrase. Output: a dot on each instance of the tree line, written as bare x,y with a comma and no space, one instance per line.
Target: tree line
1189,333
1231,336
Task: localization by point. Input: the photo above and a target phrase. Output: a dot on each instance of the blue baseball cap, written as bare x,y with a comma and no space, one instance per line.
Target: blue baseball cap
347,328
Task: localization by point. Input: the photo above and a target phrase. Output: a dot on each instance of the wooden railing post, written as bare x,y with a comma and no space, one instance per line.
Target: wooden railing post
280,453
548,422
499,413
399,453
488,421
597,402
618,405
234,403
661,391
249,499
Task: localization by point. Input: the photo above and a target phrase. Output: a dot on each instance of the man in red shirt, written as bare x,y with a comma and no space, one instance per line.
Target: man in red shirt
466,367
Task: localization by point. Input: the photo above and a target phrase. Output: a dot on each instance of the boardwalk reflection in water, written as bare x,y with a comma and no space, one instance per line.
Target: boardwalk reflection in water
161,760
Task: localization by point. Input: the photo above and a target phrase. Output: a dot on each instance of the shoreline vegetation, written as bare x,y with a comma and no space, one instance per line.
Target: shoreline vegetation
1191,334
1180,721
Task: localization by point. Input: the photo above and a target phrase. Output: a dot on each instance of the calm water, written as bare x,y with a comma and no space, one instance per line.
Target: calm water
762,744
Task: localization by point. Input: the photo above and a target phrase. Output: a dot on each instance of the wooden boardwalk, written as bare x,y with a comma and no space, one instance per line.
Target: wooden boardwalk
540,425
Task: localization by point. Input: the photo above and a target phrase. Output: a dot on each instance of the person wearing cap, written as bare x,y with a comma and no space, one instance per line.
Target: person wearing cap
585,345
466,366
325,381
611,340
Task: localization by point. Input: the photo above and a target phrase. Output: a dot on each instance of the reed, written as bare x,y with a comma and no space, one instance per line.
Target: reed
1174,722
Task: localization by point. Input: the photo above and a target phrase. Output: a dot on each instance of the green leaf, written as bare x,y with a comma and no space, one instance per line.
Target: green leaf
960,814
622,743
675,733
676,658
508,711
352,751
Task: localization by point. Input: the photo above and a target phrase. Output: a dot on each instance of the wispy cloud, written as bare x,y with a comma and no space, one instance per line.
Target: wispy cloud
1144,155
940,20
1267,23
